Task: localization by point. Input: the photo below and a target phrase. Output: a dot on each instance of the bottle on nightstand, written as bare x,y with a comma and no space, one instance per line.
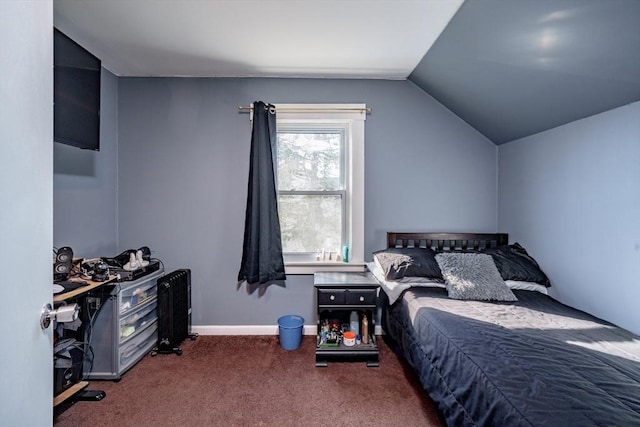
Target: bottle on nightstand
354,323
365,330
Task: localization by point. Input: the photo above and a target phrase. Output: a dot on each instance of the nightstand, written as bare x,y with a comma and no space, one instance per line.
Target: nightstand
338,294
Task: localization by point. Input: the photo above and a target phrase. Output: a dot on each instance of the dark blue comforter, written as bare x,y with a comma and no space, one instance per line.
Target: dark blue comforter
533,362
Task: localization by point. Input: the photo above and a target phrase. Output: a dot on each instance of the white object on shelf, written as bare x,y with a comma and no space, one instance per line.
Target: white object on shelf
354,323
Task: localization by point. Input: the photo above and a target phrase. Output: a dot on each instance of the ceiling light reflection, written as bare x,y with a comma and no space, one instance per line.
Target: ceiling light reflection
548,40
558,15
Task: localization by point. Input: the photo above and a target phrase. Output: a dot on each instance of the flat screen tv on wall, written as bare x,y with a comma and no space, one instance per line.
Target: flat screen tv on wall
76,94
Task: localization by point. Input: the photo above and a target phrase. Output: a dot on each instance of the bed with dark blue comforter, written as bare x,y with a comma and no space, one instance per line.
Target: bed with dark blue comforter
531,362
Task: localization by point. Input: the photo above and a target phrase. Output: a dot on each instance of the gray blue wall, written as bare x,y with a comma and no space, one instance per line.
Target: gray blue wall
183,154
179,150
571,196
85,186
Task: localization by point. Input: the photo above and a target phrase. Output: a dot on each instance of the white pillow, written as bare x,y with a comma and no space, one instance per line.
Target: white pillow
527,286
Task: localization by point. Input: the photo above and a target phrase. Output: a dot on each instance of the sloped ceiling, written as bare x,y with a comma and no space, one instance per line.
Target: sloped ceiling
509,68
515,68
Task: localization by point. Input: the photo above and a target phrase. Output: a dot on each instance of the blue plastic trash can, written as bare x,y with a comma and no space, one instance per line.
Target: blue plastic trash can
290,331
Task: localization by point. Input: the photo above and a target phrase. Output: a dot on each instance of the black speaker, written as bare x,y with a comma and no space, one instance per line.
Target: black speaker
63,378
63,264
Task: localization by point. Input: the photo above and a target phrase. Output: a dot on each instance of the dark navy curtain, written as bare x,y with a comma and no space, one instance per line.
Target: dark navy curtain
262,260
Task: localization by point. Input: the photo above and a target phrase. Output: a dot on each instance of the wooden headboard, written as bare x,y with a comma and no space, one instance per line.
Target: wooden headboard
446,241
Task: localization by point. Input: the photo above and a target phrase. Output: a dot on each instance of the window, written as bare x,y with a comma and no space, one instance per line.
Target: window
311,173
320,183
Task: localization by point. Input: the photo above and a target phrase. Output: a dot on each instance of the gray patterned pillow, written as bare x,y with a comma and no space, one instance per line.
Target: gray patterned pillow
473,276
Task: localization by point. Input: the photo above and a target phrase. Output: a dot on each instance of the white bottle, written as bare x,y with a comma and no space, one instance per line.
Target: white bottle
354,323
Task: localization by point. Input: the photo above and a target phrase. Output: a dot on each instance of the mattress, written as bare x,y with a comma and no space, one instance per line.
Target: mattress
532,362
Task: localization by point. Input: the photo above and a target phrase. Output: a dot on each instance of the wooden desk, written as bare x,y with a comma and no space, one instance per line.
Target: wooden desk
71,391
63,296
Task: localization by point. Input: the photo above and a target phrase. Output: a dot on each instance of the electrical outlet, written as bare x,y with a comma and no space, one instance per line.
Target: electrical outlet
93,302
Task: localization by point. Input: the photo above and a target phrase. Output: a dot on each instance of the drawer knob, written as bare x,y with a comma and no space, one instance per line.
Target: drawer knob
361,298
332,297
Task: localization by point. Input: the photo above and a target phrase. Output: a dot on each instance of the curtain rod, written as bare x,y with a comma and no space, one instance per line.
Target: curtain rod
301,109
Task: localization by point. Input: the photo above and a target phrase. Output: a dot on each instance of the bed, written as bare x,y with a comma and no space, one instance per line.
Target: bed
533,361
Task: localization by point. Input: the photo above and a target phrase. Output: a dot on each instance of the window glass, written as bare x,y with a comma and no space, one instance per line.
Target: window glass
311,196
310,223
310,160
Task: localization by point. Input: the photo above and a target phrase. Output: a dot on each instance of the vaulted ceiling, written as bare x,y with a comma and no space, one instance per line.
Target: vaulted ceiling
508,68
515,68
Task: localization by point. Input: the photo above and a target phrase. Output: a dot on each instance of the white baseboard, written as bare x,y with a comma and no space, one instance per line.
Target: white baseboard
253,330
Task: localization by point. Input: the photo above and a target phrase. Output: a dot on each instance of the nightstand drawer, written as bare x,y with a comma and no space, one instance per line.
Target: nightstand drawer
332,296
362,296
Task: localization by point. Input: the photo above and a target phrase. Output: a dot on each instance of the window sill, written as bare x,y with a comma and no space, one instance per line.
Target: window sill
312,267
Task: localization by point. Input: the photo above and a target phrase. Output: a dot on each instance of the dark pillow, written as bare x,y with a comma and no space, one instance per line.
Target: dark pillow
397,263
514,263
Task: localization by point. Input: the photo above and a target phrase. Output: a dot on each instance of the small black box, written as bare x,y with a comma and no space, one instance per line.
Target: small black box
126,276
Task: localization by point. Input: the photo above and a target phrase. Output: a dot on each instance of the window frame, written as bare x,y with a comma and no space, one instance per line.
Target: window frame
351,117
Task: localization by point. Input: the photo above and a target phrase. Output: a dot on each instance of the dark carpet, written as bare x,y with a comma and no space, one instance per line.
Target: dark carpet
252,381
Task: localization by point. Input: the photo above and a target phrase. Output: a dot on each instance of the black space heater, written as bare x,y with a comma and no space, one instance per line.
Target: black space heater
174,312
